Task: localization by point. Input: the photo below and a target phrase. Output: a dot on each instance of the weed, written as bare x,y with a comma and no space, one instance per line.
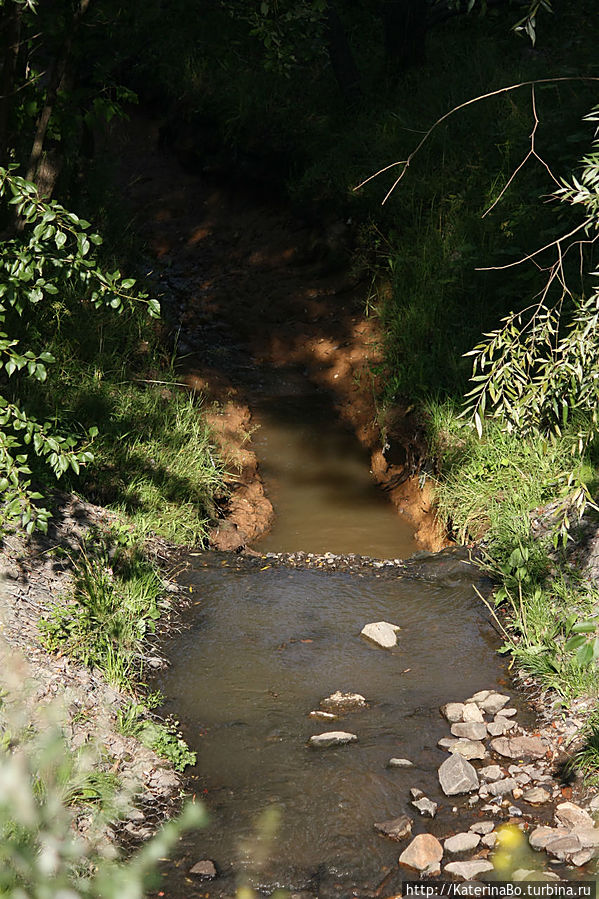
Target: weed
162,737
114,603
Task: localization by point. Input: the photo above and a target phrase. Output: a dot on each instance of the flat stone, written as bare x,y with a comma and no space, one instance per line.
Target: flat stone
582,857
494,702
415,793
491,772
332,738
563,848
500,726
425,806
594,803
461,842
489,840
588,837
470,730
519,747
479,697
396,829
482,827
540,836
341,703
456,775
468,870
536,796
507,713
514,811
322,716
569,815
447,742
469,749
205,869
423,854
472,713
502,787
453,711
382,633
400,763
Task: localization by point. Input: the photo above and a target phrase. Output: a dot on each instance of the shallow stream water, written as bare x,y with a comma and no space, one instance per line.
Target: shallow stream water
267,642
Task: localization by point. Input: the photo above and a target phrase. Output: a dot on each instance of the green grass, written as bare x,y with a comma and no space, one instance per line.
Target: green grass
486,491
114,604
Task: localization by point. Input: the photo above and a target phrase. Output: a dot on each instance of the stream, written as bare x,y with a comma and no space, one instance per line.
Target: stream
267,641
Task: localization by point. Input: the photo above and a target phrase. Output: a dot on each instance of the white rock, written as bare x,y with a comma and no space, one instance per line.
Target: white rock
569,815
342,702
482,827
322,716
470,730
491,772
456,775
480,696
382,633
332,738
469,749
400,763
453,711
461,842
468,870
494,702
472,712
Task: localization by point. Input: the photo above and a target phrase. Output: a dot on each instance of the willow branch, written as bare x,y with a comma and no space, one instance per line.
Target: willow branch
496,93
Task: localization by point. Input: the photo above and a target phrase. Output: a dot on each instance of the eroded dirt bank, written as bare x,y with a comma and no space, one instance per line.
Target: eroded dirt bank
254,294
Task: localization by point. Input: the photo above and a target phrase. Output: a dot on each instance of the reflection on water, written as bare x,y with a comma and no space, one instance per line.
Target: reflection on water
317,478
264,647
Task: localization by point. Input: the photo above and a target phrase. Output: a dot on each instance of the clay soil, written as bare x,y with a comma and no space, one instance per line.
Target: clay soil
254,293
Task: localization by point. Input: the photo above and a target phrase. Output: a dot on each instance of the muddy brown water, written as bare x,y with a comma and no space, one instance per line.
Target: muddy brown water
266,643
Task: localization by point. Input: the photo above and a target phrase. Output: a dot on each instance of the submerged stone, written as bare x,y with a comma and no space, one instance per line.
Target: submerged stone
396,829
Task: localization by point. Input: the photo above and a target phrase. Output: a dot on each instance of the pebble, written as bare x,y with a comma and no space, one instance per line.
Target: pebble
491,772
400,763
396,829
425,806
502,787
205,869
482,827
494,702
536,796
489,840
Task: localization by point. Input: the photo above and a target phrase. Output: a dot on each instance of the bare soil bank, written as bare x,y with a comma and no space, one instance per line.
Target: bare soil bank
255,293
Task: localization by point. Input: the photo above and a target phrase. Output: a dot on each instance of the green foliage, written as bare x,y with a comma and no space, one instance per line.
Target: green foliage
50,254
162,737
490,489
115,602
537,370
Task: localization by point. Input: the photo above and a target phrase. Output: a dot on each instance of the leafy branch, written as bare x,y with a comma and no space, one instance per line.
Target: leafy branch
54,252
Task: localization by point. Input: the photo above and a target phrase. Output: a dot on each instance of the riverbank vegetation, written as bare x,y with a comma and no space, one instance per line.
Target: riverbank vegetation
306,99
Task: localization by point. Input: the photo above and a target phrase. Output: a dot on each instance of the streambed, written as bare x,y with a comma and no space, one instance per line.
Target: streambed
271,635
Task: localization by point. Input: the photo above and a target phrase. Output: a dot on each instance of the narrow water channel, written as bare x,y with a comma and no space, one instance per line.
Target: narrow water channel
266,643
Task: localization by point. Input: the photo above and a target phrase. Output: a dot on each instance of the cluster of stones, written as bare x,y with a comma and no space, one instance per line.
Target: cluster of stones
383,634
574,838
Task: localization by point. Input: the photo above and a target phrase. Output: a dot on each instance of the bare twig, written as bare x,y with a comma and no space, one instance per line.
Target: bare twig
502,90
529,256
531,152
